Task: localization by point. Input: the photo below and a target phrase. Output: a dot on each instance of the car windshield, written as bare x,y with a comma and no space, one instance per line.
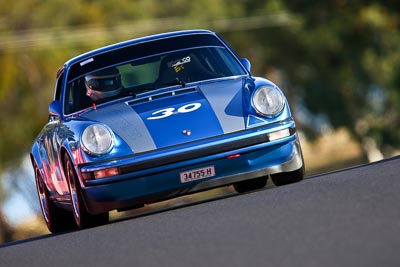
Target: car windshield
148,73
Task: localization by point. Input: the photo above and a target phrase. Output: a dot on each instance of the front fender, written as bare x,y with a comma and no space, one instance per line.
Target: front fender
35,156
74,152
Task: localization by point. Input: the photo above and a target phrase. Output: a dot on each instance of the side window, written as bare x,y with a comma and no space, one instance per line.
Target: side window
75,96
57,93
58,88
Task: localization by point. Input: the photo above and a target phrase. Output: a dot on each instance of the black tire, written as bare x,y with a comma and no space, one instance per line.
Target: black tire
250,185
57,219
285,178
83,219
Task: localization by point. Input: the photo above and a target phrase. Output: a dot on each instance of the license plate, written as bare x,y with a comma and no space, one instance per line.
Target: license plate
197,174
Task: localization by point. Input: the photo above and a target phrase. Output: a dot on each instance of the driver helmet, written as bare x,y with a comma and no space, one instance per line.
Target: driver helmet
102,84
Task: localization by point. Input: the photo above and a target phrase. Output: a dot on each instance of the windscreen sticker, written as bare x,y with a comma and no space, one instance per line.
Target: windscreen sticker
87,61
177,65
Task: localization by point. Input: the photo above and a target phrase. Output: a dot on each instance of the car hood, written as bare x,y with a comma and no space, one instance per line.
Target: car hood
176,116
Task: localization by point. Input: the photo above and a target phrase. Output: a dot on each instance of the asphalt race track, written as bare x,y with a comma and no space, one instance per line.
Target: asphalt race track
345,218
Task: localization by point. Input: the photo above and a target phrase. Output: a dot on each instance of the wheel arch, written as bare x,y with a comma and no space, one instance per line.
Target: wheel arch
35,157
63,153
35,166
67,152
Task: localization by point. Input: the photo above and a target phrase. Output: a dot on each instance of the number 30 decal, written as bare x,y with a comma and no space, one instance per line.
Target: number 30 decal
166,112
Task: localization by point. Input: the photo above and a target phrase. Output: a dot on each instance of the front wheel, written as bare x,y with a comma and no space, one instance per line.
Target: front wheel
285,178
82,217
57,219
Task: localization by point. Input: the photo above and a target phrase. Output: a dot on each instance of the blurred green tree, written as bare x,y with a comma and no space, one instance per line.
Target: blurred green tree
348,68
339,60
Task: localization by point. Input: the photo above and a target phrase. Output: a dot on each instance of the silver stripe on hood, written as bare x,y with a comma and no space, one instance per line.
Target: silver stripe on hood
225,98
125,122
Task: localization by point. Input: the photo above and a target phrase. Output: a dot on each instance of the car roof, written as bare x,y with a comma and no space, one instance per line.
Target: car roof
92,53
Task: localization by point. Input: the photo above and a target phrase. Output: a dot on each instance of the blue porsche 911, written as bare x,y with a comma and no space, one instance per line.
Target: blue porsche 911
155,118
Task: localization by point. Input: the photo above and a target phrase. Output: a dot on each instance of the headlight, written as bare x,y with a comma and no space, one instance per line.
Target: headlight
97,139
268,101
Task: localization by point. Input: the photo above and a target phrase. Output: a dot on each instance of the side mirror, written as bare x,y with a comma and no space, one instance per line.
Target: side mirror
246,63
55,110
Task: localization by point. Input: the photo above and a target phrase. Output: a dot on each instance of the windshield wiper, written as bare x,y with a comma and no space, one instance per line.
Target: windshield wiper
177,81
124,93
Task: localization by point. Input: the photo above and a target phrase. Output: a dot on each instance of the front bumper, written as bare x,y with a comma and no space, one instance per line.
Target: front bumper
157,178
